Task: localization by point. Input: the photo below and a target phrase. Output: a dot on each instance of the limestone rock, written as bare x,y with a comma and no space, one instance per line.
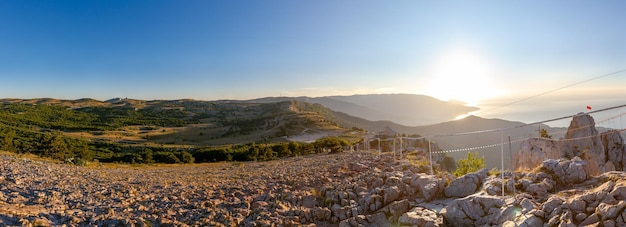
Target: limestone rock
566,172
614,147
309,201
619,190
391,194
466,185
583,140
591,219
534,151
378,218
524,221
527,205
429,186
551,204
419,216
608,211
397,208
540,188
474,210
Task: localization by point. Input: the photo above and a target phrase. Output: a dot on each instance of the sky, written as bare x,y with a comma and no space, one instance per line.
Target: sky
485,53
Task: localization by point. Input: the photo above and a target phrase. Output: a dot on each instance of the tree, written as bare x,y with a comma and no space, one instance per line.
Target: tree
282,150
294,148
147,154
253,153
7,143
82,151
268,153
53,145
470,164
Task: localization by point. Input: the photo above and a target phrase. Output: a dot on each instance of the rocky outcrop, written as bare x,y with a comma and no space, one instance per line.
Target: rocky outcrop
583,140
429,186
466,185
614,145
601,152
534,151
475,210
578,204
566,172
420,216
346,189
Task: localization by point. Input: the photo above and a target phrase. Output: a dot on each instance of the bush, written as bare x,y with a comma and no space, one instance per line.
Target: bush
335,144
470,164
166,157
543,133
186,157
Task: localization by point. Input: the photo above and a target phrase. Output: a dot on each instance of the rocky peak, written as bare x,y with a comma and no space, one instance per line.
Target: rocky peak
533,151
583,140
602,152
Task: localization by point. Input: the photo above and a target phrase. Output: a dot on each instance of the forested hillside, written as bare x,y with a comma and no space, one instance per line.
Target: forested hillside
136,131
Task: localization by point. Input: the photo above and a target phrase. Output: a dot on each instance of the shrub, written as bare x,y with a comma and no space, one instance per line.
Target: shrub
186,157
166,157
470,164
543,133
335,144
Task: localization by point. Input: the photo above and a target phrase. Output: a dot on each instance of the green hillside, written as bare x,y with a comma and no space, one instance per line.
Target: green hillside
124,130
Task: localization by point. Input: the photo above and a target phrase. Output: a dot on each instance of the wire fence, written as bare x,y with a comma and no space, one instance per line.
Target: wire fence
497,145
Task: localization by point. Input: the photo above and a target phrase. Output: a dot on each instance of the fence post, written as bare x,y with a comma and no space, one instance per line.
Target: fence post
394,148
511,167
502,158
401,148
430,154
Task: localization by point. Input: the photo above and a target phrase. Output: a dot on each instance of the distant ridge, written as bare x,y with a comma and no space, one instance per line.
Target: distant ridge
405,109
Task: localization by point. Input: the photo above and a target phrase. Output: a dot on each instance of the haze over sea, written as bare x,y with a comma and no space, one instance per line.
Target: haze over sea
556,106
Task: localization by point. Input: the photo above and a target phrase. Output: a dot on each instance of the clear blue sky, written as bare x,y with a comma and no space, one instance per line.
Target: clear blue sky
247,49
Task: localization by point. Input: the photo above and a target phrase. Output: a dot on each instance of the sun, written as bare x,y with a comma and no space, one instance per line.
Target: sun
462,75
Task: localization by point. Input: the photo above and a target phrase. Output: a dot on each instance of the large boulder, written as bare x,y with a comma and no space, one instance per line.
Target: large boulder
420,216
467,184
583,140
475,210
391,194
534,151
429,186
396,209
566,172
614,145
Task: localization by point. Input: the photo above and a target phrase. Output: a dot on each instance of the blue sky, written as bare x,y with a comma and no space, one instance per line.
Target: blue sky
247,49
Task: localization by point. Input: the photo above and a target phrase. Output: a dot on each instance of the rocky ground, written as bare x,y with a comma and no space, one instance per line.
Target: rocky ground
347,189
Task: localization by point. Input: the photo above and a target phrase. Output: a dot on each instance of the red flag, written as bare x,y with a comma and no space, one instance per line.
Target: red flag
589,107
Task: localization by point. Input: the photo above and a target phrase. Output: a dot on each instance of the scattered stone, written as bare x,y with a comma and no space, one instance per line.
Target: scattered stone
371,191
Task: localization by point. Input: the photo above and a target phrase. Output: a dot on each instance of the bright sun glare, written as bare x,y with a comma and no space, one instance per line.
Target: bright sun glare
461,75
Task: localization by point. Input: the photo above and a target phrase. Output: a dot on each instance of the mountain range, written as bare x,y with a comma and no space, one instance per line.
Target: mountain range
404,109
